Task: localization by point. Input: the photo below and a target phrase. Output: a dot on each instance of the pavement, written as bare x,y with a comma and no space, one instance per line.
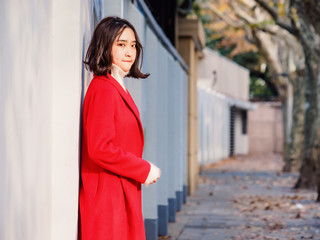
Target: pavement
247,197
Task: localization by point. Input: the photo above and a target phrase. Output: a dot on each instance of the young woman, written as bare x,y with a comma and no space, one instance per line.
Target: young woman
112,168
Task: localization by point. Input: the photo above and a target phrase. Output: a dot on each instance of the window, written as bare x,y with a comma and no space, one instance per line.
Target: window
244,120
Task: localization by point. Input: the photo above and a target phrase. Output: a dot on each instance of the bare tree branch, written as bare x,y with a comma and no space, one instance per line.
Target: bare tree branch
248,19
243,15
235,24
249,36
227,19
274,30
275,16
268,8
277,31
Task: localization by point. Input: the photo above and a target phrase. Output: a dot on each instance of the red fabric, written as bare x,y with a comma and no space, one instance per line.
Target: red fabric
112,168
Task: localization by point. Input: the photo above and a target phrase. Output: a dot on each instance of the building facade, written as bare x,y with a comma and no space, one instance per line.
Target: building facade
223,103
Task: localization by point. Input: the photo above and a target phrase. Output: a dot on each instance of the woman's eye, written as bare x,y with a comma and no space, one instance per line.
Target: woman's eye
134,45
121,44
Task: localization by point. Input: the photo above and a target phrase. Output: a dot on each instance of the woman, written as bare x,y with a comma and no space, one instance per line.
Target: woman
112,168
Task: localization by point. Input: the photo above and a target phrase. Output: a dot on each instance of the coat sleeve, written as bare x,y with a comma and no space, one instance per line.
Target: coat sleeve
100,130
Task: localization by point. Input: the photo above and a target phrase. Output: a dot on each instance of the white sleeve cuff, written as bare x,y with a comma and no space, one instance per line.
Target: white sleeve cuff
154,175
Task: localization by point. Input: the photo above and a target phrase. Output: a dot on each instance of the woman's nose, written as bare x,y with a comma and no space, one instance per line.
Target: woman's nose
129,52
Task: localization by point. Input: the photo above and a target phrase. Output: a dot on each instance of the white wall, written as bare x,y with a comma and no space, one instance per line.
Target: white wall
41,54
231,78
165,123
115,8
150,153
67,40
216,94
162,127
213,126
25,119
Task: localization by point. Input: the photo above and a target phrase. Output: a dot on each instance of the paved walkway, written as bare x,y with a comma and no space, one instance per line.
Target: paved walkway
247,198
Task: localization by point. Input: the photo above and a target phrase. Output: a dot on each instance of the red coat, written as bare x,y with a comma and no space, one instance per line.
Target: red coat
112,169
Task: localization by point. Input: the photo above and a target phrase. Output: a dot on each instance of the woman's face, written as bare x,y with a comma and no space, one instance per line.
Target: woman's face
123,52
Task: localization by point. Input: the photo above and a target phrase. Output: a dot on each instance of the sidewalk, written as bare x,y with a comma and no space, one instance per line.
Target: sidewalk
247,198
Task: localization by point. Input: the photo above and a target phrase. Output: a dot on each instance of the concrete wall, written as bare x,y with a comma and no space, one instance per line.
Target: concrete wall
213,126
25,120
217,93
41,53
165,127
265,128
230,78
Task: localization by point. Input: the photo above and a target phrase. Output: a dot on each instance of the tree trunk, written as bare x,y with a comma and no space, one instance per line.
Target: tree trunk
266,43
284,96
307,38
316,152
293,154
310,9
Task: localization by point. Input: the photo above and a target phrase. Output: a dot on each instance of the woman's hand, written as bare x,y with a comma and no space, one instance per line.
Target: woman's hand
153,176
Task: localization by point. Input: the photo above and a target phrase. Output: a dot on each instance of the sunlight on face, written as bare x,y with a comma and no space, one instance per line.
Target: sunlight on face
123,52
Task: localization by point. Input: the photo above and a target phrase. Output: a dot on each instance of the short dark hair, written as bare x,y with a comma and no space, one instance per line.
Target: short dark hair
98,57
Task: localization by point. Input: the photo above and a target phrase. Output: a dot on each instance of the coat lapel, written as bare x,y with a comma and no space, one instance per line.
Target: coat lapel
127,99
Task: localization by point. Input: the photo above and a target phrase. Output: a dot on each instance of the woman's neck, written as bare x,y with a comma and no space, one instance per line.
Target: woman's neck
119,75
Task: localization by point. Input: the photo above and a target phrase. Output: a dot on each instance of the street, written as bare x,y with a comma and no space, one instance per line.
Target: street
247,198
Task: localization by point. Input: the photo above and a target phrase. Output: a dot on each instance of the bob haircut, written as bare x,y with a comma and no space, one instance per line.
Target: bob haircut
98,57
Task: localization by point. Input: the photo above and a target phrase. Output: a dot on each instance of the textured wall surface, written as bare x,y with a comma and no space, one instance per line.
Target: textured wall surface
266,129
